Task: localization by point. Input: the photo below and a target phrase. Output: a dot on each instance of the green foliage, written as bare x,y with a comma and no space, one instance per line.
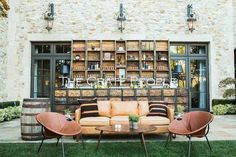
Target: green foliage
223,101
229,85
121,149
133,118
180,109
10,113
67,111
224,109
9,103
220,109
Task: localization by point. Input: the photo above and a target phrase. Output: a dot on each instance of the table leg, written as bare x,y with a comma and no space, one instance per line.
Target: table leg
143,143
99,139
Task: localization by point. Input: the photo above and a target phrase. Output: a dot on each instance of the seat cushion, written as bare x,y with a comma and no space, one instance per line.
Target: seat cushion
104,108
124,108
89,110
143,108
95,121
119,120
154,120
157,109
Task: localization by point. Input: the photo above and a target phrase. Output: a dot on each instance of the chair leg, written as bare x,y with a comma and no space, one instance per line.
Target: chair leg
82,140
40,145
58,141
62,145
208,143
189,146
167,140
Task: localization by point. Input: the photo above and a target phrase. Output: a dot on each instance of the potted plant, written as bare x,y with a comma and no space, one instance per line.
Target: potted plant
133,121
68,113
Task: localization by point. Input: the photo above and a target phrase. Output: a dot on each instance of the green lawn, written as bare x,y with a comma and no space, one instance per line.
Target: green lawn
125,149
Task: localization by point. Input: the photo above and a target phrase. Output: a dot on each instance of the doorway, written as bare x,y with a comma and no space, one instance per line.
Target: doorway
189,65
49,67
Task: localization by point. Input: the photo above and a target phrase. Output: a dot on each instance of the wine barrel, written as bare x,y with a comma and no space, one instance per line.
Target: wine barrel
30,128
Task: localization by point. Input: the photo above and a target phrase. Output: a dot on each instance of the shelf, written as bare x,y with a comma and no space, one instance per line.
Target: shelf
93,50
79,51
94,70
93,60
132,70
133,60
162,70
78,60
121,52
132,51
109,70
120,67
108,60
148,70
162,60
147,60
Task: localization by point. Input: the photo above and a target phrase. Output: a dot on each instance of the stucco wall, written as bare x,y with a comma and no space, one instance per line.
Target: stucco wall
95,19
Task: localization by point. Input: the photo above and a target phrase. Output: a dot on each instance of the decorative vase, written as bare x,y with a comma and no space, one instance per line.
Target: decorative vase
135,125
130,124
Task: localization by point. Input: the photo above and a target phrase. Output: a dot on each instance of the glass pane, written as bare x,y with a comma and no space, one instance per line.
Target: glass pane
42,49
177,49
198,83
178,71
63,49
41,77
62,72
197,49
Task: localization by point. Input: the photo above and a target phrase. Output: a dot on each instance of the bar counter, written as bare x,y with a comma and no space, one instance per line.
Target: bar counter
67,97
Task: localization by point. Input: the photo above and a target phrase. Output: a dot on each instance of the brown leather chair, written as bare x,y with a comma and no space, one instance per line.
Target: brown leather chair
55,125
192,124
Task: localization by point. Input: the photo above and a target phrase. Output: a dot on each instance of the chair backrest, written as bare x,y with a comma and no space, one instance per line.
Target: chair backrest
197,121
51,120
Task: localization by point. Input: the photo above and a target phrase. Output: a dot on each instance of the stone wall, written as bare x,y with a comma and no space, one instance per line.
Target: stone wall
95,19
3,58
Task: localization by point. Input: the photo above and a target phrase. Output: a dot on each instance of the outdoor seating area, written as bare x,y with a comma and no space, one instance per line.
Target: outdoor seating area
121,78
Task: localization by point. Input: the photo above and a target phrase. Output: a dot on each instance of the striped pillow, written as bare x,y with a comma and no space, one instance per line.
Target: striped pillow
157,109
89,110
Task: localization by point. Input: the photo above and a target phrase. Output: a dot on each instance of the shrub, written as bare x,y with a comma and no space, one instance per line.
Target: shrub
231,109
180,109
10,113
220,109
9,103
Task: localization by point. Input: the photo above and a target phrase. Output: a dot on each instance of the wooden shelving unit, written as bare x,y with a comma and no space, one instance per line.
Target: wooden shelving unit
120,59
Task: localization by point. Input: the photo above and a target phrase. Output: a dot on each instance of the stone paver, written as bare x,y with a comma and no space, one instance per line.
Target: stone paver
222,128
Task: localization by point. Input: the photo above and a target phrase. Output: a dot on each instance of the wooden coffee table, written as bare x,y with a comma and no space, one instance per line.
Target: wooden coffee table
125,129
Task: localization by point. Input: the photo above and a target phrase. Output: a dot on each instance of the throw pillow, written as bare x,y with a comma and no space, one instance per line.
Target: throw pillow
87,101
89,110
157,109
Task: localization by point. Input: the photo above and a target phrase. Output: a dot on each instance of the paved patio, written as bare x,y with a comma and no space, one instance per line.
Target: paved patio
222,128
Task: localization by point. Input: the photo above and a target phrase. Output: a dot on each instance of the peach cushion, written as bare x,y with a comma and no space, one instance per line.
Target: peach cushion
124,108
104,108
154,120
143,108
95,121
119,120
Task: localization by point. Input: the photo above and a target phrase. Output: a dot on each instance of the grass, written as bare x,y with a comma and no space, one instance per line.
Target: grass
120,149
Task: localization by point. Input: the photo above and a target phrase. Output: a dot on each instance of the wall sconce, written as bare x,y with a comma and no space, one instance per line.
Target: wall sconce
191,17
121,18
49,16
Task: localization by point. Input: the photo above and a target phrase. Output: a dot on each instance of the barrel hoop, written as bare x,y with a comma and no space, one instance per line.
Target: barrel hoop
31,134
36,106
29,114
37,100
27,124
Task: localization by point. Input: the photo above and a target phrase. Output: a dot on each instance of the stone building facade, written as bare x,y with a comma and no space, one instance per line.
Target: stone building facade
95,19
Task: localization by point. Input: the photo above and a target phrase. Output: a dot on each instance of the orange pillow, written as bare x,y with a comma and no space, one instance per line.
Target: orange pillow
124,108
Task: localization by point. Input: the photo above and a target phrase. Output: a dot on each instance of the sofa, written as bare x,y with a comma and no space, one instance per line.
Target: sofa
117,112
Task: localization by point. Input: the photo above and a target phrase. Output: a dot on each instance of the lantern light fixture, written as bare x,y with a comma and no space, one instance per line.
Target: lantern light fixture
191,17
49,16
121,18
